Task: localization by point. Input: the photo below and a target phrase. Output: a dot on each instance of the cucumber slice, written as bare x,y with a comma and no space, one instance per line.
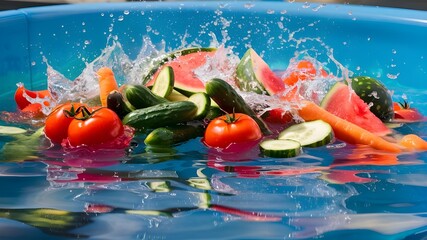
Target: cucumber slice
203,103
163,84
9,130
280,148
309,134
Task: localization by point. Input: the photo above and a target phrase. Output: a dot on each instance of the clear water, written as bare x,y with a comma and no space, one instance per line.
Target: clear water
192,192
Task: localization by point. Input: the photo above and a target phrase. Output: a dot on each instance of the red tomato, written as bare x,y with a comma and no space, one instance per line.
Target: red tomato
305,70
57,122
277,115
403,112
102,126
231,128
20,99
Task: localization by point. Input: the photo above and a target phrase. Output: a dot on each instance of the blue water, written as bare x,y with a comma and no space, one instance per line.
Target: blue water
189,192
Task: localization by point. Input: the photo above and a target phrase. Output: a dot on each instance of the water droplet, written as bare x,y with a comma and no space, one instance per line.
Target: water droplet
87,42
358,68
270,11
121,17
111,15
306,5
83,23
393,76
102,14
350,13
344,43
126,12
354,19
291,1
369,39
33,63
283,12
142,13
393,51
280,24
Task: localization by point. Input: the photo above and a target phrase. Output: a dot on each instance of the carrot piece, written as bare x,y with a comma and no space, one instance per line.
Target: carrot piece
346,130
107,83
413,142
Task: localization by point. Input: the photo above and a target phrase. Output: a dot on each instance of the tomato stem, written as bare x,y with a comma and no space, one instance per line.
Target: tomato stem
71,113
231,118
404,105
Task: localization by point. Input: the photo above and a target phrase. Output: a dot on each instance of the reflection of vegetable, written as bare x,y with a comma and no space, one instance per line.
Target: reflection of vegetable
404,112
56,127
231,128
93,128
107,83
24,147
22,93
345,130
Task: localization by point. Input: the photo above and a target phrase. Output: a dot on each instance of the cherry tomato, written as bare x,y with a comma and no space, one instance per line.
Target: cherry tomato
305,70
223,131
22,101
277,115
100,126
57,122
403,112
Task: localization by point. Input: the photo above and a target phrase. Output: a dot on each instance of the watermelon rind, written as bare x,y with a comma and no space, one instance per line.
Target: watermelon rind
376,95
343,102
171,56
254,75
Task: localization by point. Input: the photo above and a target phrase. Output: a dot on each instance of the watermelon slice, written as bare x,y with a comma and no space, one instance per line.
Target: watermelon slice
183,65
346,104
254,75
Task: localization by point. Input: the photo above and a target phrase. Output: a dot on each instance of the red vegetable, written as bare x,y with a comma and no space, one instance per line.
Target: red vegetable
231,128
21,93
94,128
403,112
56,128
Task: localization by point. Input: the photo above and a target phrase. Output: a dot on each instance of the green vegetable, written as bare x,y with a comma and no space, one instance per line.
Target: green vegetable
230,101
140,96
9,130
376,95
309,134
116,102
203,103
24,147
168,136
163,84
160,115
280,148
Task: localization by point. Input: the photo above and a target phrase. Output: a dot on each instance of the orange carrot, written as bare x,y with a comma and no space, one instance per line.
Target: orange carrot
107,83
413,142
345,130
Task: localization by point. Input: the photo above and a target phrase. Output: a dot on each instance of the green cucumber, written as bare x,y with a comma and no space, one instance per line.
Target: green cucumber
9,130
309,134
163,84
140,96
203,103
230,101
168,136
171,56
176,96
214,112
160,115
280,148
116,102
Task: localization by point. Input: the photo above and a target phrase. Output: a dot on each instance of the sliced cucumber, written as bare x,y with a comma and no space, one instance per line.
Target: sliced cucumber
280,148
9,130
163,84
203,103
176,96
309,134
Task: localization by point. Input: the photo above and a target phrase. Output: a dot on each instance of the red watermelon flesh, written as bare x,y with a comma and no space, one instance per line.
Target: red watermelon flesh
183,67
272,83
344,103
